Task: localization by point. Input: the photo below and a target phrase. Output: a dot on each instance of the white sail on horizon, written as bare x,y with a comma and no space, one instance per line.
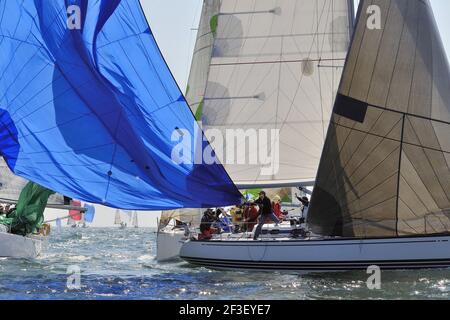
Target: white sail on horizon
275,65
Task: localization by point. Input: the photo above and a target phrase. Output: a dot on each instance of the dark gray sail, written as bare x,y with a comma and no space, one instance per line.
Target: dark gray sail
385,168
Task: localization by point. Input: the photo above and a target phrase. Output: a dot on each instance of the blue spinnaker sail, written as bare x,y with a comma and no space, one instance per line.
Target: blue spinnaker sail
89,108
89,215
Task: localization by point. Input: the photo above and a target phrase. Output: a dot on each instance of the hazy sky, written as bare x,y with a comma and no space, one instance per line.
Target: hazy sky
173,23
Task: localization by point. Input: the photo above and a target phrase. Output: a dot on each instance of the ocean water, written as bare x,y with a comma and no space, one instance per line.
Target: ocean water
120,264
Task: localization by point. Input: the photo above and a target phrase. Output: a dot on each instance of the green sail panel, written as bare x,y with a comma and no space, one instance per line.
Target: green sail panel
385,168
269,66
198,76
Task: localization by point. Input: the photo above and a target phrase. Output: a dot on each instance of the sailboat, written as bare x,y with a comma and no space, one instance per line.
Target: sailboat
114,143
381,193
118,220
171,235
17,246
135,220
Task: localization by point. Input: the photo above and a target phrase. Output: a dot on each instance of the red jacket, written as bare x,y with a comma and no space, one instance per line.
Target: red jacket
276,207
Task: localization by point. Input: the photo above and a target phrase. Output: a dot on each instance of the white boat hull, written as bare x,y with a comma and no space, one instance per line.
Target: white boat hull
307,256
18,247
169,244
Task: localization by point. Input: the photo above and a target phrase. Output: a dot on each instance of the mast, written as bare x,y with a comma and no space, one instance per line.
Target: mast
385,168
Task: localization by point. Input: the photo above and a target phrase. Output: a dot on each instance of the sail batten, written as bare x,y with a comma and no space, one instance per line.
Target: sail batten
385,169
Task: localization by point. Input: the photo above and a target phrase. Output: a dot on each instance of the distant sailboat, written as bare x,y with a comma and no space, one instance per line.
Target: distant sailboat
382,191
170,236
18,246
118,220
135,222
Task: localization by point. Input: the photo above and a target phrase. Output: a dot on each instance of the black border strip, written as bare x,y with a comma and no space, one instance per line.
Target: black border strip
323,266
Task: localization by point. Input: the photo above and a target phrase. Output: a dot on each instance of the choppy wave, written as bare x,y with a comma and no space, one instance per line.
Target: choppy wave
120,264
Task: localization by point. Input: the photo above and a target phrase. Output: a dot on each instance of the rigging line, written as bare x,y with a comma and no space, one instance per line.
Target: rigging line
355,185
252,65
331,66
292,35
383,139
121,40
20,41
248,12
192,47
371,207
225,28
367,134
20,17
318,21
396,140
89,181
31,29
41,106
319,72
418,197
235,69
295,148
24,68
26,84
302,89
196,51
315,143
292,101
69,151
203,24
261,82
279,85
437,176
302,76
59,125
275,61
257,97
299,111
260,105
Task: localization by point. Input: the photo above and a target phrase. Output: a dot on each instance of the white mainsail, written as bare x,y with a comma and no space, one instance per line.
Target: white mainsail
117,218
274,65
135,222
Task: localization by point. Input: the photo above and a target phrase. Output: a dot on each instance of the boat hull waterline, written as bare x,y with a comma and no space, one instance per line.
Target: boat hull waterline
169,244
19,247
320,255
